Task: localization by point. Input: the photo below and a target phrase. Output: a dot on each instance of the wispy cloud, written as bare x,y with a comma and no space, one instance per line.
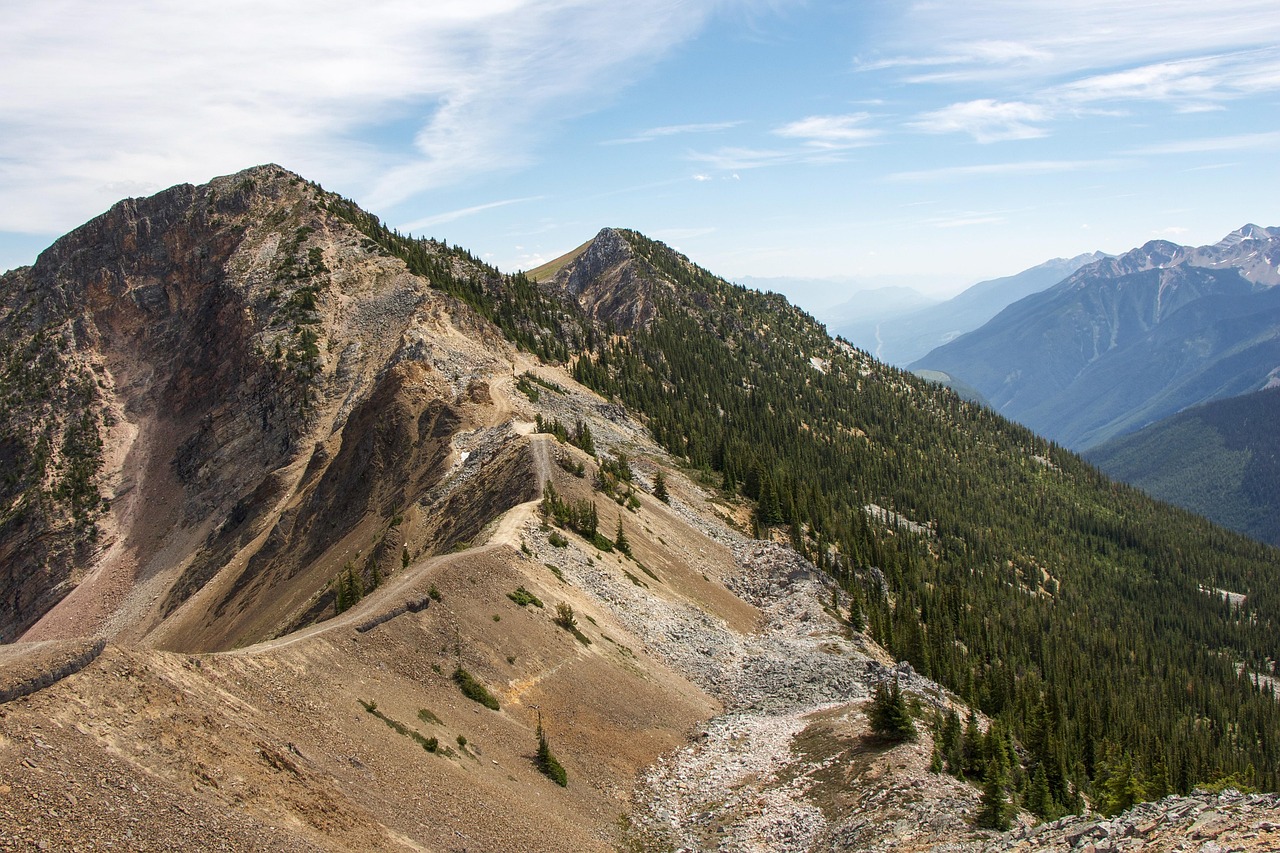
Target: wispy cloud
1041,62
673,130
965,221
1053,40
1238,142
156,92
440,218
985,170
821,139
831,131
986,120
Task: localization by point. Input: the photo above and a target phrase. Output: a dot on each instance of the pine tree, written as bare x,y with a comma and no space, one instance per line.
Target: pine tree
1039,803
547,762
994,811
660,488
974,759
890,720
620,540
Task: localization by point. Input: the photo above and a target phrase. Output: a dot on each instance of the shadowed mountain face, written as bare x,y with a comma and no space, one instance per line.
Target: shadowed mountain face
1129,340
1221,460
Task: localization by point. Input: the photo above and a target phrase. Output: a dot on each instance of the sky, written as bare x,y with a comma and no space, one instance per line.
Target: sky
923,143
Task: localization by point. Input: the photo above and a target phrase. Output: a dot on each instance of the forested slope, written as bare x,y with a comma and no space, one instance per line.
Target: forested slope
1077,611
1221,460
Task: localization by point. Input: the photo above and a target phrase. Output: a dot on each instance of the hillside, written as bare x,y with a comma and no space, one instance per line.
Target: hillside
1127,341
318,540
299,500
1218,460
908,335
998,554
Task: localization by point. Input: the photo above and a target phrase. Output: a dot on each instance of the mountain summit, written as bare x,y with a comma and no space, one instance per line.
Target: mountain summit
1128,340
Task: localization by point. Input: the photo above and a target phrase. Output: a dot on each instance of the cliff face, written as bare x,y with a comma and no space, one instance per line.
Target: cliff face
612,284
183,373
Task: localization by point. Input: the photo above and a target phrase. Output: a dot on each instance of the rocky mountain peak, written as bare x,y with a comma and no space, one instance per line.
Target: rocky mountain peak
609,281
194,361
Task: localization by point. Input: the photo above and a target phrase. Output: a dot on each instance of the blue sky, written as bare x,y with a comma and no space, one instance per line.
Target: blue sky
910,142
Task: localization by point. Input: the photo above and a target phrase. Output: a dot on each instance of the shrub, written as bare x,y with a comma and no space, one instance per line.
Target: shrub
565,619
474,690
523,597
547,762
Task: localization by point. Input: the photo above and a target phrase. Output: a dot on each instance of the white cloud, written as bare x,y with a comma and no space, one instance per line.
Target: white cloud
158,92
831,131
440,218
673,130
985,120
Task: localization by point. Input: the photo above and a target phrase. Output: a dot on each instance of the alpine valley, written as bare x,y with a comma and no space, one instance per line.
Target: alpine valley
315,536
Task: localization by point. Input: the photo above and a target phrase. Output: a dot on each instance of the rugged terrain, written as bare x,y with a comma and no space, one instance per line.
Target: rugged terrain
1127,341
285,507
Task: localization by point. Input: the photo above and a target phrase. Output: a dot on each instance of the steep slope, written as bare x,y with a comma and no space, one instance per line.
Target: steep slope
352,734
1218,460
979,552
204,390
909,335
1129,340
294,664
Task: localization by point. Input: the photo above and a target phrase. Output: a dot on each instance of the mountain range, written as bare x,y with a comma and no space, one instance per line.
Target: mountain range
1127,341
905,335
317,536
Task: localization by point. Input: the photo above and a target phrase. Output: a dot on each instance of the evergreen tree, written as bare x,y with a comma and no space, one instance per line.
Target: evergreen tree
547,761
620,540
660,488
974,758
995,811
890,720
1039,803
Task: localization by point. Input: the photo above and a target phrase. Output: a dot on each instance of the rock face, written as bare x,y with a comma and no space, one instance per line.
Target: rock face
1128,340
216,383
610,281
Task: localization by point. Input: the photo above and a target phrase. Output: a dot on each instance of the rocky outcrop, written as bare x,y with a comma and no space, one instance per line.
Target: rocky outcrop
1203,822
612,284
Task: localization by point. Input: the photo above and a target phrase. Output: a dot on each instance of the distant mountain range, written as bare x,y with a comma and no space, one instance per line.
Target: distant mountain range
1221,460
1126,341
907,334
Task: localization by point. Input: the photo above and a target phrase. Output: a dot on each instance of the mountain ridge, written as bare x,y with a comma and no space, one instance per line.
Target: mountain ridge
1216,459
580,498
1128,340
906,337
